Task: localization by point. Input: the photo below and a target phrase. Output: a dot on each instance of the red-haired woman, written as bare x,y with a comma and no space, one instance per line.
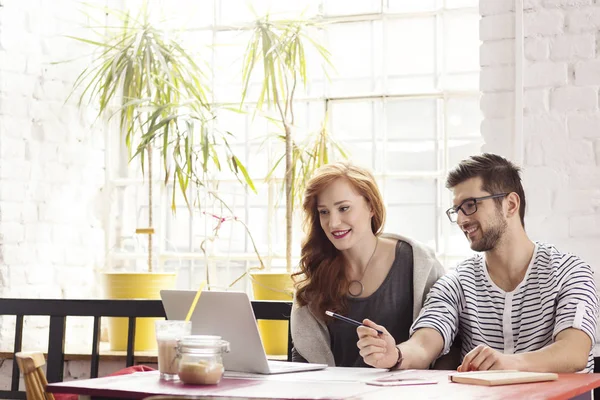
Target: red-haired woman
349,267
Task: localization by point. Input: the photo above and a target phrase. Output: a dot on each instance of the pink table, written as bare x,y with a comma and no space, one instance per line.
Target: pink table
290,386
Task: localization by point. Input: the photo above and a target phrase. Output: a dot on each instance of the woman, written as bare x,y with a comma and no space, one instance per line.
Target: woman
347,266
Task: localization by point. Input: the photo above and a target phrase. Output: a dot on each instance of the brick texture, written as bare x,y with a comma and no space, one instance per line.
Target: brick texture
561,124
51,167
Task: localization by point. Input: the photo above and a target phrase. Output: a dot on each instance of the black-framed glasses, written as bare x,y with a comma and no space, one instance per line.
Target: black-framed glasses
469,206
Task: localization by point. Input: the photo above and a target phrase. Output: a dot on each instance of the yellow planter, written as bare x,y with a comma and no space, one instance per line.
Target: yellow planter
143,285
273,286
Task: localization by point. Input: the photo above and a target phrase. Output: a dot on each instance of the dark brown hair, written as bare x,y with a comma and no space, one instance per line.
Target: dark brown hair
497,174
321,282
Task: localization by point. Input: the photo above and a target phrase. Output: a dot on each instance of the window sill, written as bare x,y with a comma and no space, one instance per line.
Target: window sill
75,354
147,356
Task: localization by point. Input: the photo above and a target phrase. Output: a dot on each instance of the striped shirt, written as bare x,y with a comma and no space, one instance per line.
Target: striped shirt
558,292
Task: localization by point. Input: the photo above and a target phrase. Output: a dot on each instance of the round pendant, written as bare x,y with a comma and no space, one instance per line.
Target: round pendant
355,288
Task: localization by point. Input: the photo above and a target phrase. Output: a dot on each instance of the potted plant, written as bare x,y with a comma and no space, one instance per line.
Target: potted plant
160,95
279,47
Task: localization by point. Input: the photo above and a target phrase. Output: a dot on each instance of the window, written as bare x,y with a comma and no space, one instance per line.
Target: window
403,100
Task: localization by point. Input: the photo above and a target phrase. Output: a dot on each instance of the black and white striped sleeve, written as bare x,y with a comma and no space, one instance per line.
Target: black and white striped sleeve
441,309
577,301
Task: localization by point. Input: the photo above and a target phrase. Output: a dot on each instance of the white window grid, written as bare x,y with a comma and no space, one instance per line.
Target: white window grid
177,237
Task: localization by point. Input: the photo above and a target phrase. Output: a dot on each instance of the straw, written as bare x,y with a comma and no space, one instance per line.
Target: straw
193,306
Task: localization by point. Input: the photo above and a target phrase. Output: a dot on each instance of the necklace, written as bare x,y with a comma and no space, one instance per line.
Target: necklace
356,288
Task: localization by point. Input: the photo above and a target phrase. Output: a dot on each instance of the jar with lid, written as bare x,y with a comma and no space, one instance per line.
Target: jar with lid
201,359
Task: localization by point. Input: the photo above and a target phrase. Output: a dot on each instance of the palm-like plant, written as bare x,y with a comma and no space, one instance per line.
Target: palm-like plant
280,46
160,94
316,150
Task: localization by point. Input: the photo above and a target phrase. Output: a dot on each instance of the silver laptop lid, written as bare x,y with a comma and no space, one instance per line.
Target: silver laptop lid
226,314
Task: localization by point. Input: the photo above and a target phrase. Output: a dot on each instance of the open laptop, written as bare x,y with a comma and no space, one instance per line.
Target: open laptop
229,315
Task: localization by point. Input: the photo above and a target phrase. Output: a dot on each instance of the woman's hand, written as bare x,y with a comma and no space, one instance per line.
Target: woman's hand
377,350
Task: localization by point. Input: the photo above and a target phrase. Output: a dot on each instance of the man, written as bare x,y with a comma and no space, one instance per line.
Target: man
517,304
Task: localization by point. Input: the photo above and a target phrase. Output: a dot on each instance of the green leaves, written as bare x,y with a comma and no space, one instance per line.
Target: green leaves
314,151
161,97
280,46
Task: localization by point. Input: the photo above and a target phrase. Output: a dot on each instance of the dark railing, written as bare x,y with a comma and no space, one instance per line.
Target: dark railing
59,310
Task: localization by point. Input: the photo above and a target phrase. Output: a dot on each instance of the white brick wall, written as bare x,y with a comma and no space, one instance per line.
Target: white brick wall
51,166
497,32
561,125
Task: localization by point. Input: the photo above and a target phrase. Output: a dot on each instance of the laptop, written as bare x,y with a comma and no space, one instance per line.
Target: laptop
229,315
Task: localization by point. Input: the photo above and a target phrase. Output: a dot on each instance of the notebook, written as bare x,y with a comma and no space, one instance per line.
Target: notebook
495,378
229,315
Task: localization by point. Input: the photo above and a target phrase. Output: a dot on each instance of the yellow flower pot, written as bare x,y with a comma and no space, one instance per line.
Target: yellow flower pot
131,285
273,286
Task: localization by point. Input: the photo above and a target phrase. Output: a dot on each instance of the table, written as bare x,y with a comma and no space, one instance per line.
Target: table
332,383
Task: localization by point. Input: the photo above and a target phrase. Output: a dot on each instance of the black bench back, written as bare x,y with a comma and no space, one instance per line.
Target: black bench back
58,310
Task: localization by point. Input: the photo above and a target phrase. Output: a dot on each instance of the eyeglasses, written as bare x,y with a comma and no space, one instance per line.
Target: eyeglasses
469,206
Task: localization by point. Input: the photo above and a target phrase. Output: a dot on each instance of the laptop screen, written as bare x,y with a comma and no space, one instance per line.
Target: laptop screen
225,314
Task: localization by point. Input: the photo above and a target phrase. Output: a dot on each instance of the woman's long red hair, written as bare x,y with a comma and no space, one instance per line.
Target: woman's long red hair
321,282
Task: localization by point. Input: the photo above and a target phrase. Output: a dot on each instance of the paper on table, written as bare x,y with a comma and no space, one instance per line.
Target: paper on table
404,378
336,374
300,390
400,382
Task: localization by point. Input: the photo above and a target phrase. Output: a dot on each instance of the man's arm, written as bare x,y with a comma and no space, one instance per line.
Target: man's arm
422,349
574,330
380,351
568,353
432,332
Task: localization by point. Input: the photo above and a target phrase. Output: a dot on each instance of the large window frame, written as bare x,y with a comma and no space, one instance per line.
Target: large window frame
126,250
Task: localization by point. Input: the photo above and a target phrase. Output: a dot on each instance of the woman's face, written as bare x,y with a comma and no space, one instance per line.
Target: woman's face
344,214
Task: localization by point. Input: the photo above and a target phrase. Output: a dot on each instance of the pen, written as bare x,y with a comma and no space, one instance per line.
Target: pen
349,320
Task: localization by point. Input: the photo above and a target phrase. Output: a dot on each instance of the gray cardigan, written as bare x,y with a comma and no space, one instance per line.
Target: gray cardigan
310,334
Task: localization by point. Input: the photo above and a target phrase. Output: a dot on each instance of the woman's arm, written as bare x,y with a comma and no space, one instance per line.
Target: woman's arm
296,357
310,337
380,351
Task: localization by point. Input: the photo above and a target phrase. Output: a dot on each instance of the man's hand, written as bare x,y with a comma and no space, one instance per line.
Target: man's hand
483,358
377,350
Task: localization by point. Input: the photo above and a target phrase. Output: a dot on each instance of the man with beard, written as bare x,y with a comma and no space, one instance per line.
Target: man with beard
516,305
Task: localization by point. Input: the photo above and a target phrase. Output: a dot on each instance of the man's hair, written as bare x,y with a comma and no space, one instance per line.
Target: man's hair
497,174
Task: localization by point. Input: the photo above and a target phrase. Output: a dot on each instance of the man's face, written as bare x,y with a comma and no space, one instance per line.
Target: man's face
484,228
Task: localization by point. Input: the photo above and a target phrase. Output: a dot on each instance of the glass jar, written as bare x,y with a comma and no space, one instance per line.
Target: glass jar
201,359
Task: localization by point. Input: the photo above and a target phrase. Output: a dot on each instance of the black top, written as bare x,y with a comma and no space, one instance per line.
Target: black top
391,305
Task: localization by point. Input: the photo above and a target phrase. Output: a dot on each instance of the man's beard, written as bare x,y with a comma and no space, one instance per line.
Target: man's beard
491,237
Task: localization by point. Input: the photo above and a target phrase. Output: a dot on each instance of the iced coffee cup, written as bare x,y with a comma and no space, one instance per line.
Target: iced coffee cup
167,333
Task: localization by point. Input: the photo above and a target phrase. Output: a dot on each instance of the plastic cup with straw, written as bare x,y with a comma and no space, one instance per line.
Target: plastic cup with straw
193,306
